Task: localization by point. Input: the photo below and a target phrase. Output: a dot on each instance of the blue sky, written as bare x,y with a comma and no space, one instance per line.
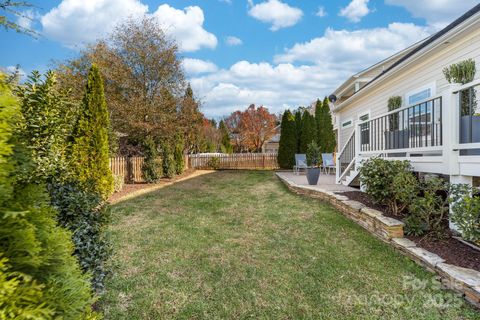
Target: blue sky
277,53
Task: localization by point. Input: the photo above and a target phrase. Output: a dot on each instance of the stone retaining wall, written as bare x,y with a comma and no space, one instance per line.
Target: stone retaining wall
462,280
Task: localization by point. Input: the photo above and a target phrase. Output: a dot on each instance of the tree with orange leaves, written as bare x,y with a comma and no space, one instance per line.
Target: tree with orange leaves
251,128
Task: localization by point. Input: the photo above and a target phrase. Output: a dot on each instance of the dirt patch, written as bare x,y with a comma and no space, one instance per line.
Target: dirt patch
453,251
139,188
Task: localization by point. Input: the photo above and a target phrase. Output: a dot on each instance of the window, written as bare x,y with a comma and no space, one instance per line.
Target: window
418,95
347,124
364,116
364,127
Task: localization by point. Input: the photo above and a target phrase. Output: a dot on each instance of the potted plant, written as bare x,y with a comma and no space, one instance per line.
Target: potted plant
462,73
313,163
394,137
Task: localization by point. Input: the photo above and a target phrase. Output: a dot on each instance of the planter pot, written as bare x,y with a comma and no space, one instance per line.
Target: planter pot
312,176
397,139
465,133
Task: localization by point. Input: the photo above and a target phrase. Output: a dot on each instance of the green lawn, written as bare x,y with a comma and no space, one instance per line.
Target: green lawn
237,245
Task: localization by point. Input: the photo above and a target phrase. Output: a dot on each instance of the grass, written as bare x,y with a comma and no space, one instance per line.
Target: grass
238,245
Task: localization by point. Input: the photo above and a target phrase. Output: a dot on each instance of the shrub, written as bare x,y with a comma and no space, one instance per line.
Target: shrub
39,271
151,168
22,296
288,143
214,163
118,182
90,158
378,177
309,131
314,155
168,162
178,155
462,72
86,216
325,134
427,212
465,205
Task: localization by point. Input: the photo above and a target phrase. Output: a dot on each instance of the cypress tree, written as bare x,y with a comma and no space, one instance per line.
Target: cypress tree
325,134
178,155
90,158
298,128
309,131
226,145
151,169
168,162
288,145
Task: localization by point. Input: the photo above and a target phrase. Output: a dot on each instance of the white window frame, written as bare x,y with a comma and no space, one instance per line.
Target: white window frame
364,114
432,86
347,126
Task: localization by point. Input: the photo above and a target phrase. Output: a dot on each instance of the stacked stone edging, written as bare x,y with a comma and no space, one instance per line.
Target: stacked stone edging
462,280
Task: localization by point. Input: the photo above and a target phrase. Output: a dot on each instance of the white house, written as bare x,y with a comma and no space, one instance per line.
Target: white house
434,129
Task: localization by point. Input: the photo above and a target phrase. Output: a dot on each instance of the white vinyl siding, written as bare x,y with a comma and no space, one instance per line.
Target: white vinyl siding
421,73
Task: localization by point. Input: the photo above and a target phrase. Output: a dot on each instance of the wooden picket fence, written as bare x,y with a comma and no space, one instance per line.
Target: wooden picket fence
234,161
131,167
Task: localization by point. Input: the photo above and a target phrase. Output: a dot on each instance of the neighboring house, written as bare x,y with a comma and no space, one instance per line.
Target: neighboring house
271,145
434,129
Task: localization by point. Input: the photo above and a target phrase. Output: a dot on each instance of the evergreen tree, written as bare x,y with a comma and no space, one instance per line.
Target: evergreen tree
325,133
178,155
40,278
298,128
168,161
318,122
151,168
90,157
287,146
309,131
226,145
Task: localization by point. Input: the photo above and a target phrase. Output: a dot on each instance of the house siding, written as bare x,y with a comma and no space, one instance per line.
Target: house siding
422,72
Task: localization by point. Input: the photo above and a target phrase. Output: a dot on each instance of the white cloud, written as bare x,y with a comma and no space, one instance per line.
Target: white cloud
355,48
438,13
197,66
285,84
233,41
186,26
321,12
356,10
278,14
275,86
76,22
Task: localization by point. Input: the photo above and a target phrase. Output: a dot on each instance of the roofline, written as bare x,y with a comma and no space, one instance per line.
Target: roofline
345,84
431,41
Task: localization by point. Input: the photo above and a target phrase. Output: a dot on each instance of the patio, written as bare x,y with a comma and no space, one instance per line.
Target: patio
326,182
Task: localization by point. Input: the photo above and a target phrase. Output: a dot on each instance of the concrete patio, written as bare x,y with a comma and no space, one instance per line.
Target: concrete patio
326,182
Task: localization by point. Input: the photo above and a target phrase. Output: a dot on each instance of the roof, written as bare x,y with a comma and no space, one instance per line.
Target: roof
383,62
419,47
430,40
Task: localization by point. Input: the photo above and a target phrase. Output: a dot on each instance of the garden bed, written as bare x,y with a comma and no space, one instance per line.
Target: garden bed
450,249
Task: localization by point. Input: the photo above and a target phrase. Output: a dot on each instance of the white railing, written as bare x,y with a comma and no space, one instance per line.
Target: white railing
346,158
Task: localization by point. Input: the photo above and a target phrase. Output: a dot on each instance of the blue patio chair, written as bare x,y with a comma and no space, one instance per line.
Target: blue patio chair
328,163
300,162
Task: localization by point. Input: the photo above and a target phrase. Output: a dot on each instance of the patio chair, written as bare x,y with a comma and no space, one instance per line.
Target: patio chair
328,163
300,162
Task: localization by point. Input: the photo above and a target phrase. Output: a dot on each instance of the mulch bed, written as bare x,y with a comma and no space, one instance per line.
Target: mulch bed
134,187
453,251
